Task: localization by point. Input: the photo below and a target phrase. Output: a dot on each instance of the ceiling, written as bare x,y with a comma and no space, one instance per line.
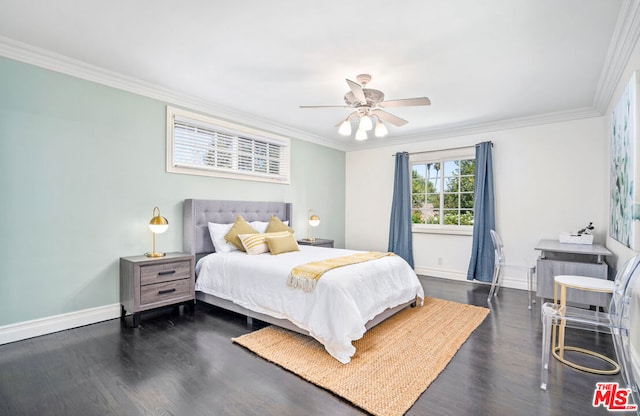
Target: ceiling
483,64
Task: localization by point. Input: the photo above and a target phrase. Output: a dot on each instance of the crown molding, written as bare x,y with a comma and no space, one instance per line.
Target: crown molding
623,42
464,129
42,58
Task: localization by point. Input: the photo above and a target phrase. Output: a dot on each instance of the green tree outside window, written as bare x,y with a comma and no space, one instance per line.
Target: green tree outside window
442,192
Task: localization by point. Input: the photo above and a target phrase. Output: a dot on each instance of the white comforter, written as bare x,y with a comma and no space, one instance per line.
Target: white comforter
334,313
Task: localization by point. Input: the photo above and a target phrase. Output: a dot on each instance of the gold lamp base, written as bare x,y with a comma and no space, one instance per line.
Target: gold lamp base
154,254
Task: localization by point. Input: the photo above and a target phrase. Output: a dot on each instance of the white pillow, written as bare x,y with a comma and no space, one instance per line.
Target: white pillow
259,226
217,233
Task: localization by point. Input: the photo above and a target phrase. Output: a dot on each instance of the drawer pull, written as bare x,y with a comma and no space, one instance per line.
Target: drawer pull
164,292
166,273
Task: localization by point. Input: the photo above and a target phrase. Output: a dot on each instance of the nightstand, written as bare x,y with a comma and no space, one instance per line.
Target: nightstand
318,242
147,283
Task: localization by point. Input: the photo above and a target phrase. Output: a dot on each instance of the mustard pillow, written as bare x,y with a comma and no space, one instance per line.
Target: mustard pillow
278,245
257,243
276,225
240,226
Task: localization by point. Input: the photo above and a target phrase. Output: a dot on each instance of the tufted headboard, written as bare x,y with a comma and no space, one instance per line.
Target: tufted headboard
199,212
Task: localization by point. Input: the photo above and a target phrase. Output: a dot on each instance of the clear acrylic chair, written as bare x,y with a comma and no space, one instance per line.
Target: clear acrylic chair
621,321
500,265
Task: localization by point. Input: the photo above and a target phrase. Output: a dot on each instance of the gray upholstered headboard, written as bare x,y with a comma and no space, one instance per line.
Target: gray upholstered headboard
199,212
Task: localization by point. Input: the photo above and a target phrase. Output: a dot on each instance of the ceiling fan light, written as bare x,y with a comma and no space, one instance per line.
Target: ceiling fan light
361,134
345,128
381,129
365,123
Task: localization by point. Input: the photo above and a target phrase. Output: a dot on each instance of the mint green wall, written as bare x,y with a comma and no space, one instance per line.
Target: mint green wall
83,165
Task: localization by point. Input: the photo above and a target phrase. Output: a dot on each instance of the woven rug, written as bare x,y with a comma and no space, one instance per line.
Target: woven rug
394,362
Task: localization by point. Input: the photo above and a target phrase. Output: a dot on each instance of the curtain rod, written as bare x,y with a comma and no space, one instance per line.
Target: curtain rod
450,148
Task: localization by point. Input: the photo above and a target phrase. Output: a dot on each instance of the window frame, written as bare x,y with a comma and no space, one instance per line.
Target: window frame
441,156
241,135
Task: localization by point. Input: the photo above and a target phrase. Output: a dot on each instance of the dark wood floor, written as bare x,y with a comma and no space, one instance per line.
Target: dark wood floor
178,364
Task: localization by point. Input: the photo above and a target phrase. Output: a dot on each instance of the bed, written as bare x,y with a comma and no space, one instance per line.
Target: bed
346,302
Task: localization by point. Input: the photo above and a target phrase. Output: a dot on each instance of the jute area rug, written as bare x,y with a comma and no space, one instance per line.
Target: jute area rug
394,362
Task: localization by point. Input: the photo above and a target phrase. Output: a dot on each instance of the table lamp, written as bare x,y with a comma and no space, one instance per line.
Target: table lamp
314,221
157,225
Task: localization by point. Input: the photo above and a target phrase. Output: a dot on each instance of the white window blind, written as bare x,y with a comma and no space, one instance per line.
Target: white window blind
202,145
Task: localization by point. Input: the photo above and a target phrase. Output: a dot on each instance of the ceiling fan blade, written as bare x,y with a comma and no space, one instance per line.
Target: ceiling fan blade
324,106
357,91
406,102
389,118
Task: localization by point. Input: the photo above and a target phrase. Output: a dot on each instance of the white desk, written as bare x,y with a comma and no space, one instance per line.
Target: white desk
571,259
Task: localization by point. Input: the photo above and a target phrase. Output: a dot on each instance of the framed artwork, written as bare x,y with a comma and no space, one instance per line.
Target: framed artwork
624,224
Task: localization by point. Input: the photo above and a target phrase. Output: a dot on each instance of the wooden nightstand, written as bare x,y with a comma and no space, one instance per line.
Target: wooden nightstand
148,283
318,242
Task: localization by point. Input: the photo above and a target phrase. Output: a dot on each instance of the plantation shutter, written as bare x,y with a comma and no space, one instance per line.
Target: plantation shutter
207,147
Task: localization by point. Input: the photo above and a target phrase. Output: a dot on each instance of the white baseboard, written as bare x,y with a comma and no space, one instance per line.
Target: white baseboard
506,281
441,272
43,326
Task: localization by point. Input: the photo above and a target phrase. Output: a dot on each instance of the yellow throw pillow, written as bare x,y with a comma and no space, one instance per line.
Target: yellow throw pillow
257,243
240,226
286,244
276,225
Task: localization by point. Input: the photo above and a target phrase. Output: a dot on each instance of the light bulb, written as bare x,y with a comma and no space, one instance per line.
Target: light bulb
361,134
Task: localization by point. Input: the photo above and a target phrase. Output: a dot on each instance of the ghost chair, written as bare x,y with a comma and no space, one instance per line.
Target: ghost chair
500,265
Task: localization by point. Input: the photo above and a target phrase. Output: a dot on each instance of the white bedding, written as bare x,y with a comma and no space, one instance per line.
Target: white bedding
334,313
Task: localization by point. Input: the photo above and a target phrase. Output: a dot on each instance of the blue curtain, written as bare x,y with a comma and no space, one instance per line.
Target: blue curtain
484,217
400,238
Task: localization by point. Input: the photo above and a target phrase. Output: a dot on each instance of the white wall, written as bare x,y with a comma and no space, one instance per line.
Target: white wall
548,178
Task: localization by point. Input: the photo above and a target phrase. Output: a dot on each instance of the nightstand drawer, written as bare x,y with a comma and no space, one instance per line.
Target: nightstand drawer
158,273
168,291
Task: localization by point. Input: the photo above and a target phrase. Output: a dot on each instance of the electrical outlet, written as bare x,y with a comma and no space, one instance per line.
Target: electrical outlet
439,261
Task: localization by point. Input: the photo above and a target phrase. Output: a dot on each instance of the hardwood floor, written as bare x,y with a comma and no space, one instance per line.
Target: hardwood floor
179,364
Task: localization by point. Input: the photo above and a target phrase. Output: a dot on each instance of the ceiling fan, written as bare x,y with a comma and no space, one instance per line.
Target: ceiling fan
368,104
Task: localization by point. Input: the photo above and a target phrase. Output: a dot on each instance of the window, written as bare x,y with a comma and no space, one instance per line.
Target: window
442,191
201,145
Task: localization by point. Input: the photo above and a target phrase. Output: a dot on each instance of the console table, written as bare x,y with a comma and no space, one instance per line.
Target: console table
571,259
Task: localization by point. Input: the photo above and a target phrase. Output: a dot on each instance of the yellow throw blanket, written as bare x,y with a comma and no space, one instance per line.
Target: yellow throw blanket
306,275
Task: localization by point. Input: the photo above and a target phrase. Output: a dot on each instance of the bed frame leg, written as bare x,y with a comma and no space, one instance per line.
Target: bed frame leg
249,321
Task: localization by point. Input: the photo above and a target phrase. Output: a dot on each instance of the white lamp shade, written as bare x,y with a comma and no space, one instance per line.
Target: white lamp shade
158,228
345,128
361,135
381,130
365,123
